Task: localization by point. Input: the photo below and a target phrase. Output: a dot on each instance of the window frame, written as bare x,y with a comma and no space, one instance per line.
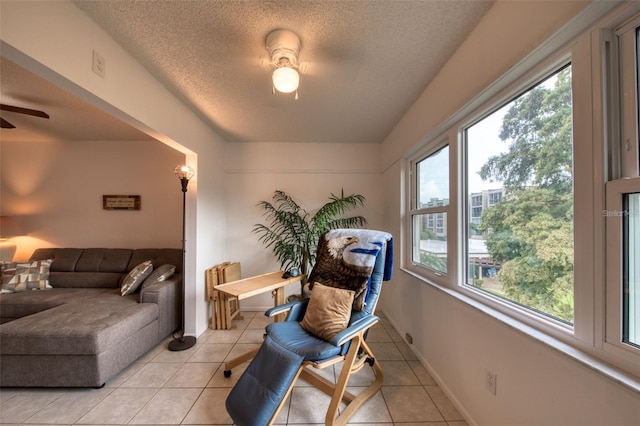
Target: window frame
504,305
533,77
613,342
589,50
442,278
624,178
624,81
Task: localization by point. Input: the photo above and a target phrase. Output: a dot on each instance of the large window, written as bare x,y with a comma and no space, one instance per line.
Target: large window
429,211
520,195
531,208
622,213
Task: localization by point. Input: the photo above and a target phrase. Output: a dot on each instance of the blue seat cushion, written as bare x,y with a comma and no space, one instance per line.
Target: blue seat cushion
255,398
291,336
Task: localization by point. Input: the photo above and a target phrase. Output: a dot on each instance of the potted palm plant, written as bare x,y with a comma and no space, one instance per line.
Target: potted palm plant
292,232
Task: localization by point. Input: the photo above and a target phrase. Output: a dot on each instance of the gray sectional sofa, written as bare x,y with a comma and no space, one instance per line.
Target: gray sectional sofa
82,332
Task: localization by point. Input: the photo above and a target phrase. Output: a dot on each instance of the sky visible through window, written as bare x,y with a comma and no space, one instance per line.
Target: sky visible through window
486,132
435,183
433,173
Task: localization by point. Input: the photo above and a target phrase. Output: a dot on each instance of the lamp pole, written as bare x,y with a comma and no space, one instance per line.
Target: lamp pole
183,342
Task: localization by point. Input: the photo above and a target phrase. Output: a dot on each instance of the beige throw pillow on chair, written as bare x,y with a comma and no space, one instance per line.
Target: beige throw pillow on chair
328,312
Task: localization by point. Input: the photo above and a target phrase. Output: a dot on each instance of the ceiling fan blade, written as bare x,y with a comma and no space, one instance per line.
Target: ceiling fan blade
26,111
4,124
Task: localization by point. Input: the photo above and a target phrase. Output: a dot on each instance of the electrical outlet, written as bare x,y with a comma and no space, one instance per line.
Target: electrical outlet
408,338
99,64
491,381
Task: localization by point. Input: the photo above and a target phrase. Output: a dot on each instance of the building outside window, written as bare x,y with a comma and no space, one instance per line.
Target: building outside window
495,196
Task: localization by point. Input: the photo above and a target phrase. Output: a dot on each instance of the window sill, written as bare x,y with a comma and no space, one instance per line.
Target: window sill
590,361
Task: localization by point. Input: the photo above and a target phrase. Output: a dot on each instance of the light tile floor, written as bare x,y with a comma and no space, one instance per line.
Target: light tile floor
189,388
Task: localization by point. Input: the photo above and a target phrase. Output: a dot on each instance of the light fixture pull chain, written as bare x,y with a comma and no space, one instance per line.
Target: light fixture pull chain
296,97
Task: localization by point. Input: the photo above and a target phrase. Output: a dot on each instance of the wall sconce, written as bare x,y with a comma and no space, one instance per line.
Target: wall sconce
284,47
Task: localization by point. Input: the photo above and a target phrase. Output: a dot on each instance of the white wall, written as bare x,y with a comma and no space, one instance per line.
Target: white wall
54,192
55,40
309,173
537,385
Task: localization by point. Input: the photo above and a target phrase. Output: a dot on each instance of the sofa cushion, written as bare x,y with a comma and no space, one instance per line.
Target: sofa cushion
64,259
85,279
23,276
104,260
135,277
158,257
78,328
18,305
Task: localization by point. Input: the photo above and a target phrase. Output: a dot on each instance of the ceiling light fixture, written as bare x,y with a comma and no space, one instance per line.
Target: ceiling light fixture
283,47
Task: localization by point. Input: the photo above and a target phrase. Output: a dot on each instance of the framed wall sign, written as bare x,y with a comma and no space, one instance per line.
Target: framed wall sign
121,202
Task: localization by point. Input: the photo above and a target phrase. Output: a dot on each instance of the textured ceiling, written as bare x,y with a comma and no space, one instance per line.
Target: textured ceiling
71,119
364,63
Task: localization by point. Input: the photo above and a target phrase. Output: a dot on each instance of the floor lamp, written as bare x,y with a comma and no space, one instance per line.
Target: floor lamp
183,342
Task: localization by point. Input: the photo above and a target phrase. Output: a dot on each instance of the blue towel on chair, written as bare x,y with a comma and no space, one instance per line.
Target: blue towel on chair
256,396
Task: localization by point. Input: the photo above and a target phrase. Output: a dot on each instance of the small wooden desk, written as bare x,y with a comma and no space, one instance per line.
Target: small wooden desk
259,284
252,286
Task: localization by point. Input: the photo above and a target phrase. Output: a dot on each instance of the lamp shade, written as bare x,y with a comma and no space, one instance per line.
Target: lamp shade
184,172
286,79
9,228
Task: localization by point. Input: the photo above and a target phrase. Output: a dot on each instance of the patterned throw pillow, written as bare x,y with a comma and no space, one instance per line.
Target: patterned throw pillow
328,312
23,276
159,274
135,277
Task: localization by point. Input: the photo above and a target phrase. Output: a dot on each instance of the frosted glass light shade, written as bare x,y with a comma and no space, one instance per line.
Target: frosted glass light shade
184,172
286,79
